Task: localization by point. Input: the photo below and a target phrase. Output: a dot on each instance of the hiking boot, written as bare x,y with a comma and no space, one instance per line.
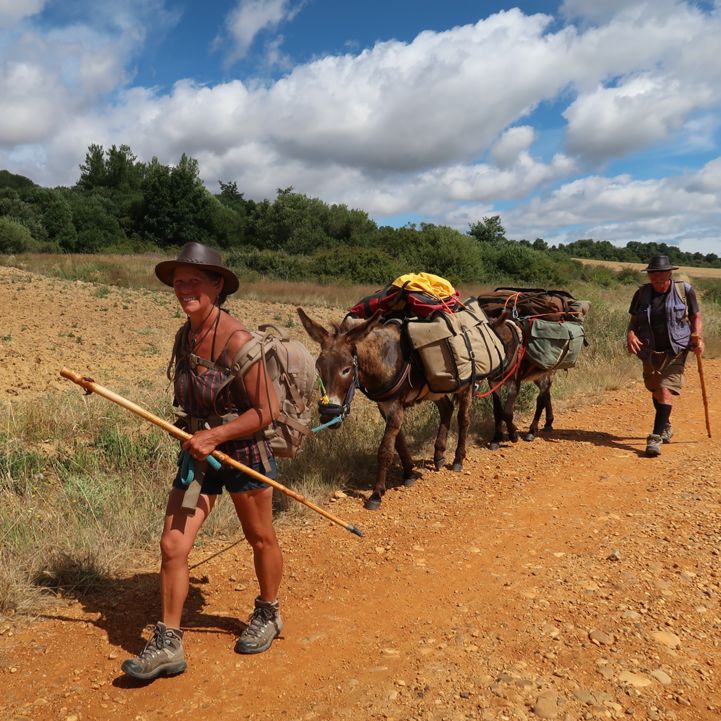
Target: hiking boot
264,625
162,656
653,445
666,433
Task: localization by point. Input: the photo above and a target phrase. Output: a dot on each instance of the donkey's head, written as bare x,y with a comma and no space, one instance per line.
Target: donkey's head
337,364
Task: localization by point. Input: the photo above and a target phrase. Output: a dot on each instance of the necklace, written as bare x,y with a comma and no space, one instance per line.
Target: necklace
197,338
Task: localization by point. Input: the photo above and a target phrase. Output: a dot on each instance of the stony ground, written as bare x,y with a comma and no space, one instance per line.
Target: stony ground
570,578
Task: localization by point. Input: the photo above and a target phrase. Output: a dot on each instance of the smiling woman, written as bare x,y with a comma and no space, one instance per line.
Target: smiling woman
226,413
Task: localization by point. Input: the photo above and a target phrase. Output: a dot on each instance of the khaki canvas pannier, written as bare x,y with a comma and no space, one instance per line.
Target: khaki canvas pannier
456,348
554,345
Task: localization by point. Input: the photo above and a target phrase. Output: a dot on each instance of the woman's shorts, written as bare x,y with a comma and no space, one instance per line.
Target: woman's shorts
662,370
233,480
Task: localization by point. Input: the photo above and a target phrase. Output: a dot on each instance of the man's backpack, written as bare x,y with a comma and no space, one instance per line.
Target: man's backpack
291,368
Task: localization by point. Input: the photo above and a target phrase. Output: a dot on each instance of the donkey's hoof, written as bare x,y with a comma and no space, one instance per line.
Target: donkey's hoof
529,437
439,462
409,479
457,467
513,437
548,427
494,445
373,504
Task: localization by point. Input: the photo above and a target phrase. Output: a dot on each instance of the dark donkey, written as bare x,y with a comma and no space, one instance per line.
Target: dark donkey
371,356
519,368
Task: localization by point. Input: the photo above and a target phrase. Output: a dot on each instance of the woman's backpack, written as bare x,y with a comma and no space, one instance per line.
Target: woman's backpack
291,369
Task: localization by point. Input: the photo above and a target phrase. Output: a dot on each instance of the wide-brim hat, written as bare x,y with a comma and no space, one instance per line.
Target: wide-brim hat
200,256
659,264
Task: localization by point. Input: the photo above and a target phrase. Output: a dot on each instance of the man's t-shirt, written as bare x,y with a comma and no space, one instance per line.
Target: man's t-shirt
659,327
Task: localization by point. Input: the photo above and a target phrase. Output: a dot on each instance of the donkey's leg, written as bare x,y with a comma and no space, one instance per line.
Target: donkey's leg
464,418
409,478
543,403
540,407
394,419
497,421
445,409
513,388
548,382
401,447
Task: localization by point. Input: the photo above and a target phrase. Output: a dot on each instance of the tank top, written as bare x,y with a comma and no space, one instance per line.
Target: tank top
209,395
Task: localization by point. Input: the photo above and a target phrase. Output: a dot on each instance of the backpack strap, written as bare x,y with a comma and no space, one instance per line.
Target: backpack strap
681,290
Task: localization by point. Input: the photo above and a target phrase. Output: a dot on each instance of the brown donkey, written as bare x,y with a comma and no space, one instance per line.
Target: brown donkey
518,368
371,356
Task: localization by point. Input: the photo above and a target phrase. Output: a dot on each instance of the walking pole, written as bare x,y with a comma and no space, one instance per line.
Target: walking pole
91,386
699,363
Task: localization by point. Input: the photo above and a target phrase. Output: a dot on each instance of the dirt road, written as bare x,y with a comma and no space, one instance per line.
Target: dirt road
568,578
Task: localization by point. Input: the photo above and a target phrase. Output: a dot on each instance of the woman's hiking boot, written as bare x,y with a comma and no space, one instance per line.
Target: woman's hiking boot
264,625
162,656
653,445
666,433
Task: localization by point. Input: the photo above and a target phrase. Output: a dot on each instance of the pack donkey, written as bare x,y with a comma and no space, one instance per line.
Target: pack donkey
519,368
370,356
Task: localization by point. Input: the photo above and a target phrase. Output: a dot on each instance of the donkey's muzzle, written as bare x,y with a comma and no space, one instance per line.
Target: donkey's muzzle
330,411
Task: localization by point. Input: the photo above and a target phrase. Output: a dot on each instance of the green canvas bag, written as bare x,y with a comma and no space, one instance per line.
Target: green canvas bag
553,345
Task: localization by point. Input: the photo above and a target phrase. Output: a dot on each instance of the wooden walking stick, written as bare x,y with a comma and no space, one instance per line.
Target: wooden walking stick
699,363
91,386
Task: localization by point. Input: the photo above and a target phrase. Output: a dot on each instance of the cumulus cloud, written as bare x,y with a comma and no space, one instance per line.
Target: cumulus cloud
13,11
442,126
614,121
251,17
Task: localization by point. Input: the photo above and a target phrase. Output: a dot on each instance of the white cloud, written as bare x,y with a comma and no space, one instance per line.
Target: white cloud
511,144
249,18
401,127
13,11
641,111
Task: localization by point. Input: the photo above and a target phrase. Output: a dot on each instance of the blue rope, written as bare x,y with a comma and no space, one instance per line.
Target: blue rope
337,419
187,467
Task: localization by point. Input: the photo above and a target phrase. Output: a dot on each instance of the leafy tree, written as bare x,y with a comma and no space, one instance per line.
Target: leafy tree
176,207
14,237
489,230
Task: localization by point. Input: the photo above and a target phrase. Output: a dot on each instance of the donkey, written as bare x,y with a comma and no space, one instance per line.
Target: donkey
371,356
522,369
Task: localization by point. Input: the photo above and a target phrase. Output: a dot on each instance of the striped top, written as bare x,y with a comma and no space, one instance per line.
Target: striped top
209,393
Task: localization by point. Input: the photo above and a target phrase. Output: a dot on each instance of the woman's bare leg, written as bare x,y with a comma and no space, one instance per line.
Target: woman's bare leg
179,532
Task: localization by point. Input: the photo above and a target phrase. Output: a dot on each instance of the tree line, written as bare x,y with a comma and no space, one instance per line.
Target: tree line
122,205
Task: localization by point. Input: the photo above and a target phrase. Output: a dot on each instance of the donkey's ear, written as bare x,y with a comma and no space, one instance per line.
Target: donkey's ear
315,330
360,331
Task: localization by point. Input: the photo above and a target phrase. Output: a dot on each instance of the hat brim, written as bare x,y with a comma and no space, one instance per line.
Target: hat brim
165,269
659,270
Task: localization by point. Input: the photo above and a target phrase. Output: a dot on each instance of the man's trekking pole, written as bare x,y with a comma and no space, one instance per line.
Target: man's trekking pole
91,386
703,393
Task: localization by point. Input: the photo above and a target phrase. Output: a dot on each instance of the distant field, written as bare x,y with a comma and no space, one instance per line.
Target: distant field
685,269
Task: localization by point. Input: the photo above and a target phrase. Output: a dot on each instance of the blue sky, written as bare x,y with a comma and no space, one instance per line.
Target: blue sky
570,119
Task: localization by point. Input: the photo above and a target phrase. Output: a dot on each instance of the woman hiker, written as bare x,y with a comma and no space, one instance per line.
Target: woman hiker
665,323
226,413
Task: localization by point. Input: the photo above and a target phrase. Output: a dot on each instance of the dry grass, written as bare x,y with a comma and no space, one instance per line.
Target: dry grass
687,270
83,485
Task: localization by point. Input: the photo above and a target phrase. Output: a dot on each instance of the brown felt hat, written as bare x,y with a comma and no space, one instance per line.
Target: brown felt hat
199,256
659,264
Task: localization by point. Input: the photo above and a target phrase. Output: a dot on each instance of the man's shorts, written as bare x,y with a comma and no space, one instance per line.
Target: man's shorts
233,480
662,370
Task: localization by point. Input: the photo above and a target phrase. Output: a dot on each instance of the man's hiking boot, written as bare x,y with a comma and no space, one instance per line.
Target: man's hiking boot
162,656
653,445
264,625
666,433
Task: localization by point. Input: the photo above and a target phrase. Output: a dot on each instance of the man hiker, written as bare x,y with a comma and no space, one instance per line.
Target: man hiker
665,323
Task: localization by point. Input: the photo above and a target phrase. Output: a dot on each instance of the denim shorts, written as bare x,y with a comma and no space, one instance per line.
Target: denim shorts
235,481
